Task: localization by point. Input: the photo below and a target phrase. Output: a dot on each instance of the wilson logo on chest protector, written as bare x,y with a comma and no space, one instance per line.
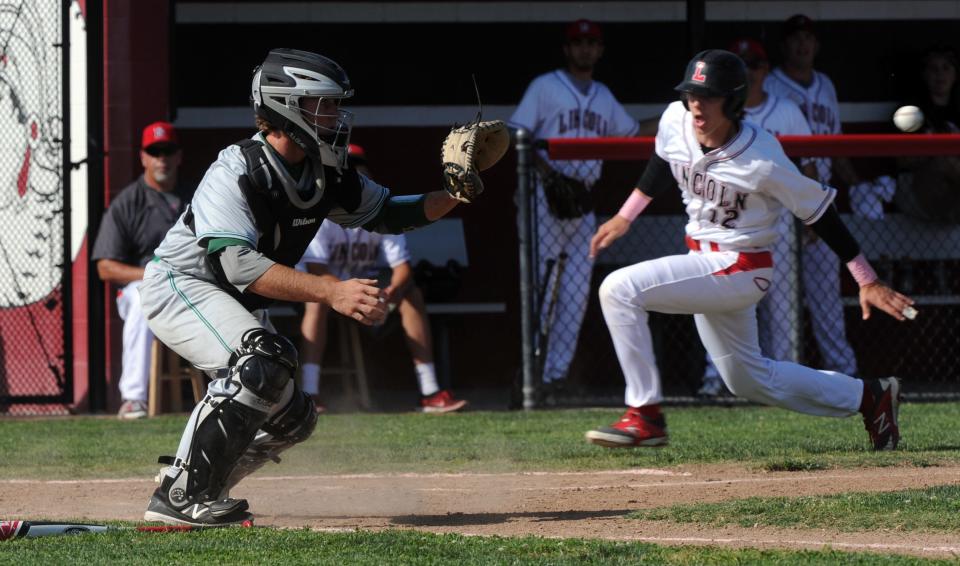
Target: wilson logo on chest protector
303,221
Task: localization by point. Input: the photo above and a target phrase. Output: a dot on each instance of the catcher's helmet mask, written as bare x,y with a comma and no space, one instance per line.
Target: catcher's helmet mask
717,73
280,87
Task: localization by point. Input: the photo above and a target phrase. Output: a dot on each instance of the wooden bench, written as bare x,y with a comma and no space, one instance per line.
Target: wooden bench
166,367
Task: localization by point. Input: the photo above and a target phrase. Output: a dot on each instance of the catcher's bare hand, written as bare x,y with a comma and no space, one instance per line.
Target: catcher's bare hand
608,233
886,299
360,299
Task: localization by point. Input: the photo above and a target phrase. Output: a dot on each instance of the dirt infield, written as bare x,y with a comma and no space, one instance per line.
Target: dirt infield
562,504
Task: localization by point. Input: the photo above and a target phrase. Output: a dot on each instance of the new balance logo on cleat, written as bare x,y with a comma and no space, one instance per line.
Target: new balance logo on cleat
880,417
221,513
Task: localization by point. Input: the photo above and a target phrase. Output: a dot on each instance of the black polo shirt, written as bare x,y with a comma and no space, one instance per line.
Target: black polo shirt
135,224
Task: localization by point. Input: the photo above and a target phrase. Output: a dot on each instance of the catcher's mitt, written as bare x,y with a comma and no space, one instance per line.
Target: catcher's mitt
468,150
566,197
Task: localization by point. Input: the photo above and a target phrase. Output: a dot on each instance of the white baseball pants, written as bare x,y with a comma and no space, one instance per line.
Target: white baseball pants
569,301
821,293
137,339
721,290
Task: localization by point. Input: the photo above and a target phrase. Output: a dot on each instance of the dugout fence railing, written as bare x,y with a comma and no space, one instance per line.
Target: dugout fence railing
908,229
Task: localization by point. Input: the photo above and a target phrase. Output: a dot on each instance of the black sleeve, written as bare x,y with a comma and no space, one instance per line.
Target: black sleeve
657,177
834,232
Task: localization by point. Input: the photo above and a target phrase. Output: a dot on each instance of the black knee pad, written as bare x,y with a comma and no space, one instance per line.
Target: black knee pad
264,363
295,422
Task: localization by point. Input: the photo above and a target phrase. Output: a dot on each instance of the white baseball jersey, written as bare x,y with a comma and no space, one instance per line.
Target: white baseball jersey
779,116
354,252
553,107
817,102
733,195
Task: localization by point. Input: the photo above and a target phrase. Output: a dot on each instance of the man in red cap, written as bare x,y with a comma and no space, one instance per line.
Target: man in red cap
133,226
567,103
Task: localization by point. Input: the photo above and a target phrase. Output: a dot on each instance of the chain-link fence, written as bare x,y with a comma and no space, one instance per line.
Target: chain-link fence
33,235
811,315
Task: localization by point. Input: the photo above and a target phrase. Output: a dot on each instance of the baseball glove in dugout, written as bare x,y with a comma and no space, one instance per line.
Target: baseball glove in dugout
469,149
566,197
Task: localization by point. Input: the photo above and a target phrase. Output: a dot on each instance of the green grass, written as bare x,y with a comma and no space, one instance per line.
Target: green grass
935,509
759,437
269,546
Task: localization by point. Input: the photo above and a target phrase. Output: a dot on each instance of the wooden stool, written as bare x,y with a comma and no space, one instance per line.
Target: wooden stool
351,366
167,367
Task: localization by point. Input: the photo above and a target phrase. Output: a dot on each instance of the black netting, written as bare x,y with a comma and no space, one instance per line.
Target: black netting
32,238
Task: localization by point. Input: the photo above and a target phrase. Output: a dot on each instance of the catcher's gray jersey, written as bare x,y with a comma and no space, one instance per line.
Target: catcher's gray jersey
185,304
221,210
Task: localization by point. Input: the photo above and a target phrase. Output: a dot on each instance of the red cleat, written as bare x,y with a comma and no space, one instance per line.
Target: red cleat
441,402
639,426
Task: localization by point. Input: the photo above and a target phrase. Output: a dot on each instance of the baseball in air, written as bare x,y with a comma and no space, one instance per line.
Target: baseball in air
908,118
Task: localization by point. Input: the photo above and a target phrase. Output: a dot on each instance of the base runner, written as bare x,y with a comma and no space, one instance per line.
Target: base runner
735,180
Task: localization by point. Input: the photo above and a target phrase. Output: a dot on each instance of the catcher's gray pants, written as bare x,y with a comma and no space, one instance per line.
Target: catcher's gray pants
203,324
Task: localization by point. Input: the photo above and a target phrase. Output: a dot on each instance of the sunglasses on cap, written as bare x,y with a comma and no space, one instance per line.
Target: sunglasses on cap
157,150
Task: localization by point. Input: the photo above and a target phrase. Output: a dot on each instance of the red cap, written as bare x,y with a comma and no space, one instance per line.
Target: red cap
795,23
584,28
354,150
159,132
750,50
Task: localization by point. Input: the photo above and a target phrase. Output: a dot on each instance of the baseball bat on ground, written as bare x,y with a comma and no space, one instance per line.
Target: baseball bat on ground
10,530
547,323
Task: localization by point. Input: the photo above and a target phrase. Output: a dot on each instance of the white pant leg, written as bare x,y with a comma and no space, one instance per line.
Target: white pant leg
681,284
137,339
731,339
821,290
554,237
572,295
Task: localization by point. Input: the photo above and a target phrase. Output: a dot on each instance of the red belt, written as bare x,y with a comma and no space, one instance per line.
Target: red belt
746,261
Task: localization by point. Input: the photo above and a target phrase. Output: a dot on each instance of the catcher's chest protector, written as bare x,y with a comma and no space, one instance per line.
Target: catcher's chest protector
286,229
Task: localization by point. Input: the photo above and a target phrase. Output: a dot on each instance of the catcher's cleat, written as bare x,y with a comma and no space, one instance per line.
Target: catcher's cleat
441,402
639,426
219,513
880,409
210,514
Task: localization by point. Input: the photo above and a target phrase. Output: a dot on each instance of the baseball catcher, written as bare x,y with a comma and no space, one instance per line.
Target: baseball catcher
232,253
469,149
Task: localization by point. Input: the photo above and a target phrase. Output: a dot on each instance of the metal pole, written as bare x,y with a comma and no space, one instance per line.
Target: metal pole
66,298
96,304
527,244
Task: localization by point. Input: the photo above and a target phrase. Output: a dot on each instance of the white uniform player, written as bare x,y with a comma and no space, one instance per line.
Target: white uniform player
735,180
354,252
348,253
777,313
817,99
568,103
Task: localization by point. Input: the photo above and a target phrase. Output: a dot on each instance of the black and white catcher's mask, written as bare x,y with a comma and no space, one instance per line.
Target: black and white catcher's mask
299,93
